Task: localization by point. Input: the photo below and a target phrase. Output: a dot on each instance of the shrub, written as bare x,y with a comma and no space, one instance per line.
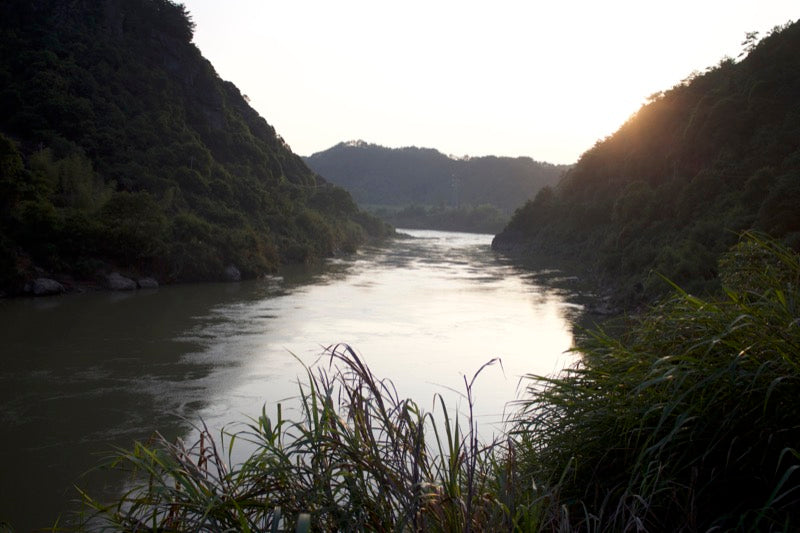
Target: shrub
686,422
134,227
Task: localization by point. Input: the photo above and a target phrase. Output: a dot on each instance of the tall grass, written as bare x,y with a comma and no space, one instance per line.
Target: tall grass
360,458
688,421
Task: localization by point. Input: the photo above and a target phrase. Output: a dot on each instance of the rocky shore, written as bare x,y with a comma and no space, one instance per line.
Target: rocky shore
54,285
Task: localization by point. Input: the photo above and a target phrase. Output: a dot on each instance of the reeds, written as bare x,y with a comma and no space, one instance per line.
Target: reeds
689,421
360,458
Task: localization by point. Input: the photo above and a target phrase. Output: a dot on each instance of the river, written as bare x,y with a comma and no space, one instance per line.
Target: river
86,372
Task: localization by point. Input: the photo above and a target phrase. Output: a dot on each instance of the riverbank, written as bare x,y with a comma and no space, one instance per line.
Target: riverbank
102,369
42,283
686,422
114,281
602,295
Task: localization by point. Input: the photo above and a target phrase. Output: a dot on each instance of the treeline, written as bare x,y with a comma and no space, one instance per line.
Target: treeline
484,218
670,190
393,178
121,148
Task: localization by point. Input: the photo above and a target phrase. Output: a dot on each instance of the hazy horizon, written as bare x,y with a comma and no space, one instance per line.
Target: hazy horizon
511,79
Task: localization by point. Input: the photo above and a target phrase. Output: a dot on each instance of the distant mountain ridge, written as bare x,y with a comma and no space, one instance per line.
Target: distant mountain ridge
377,175
671,189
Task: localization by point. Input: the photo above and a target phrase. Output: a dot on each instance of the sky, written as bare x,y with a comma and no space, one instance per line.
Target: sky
543,79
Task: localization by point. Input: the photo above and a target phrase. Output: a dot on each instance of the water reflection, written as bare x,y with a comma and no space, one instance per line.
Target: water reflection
425,312
85,372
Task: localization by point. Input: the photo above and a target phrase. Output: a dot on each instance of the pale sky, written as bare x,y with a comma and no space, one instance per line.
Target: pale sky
544,79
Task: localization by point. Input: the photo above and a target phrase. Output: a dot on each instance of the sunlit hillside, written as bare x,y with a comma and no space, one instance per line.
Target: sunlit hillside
672,188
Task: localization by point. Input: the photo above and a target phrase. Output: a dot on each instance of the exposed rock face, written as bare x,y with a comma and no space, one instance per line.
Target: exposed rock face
232,273
117,282
46,287
147,283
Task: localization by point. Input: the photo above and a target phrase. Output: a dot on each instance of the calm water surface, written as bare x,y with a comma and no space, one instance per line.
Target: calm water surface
83,373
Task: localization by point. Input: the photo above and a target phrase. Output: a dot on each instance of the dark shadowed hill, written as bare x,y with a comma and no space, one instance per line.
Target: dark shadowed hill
671,189
426,178
121,149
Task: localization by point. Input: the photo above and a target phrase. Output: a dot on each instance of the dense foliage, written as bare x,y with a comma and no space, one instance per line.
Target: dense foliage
670,190
688,422
120,147
398,178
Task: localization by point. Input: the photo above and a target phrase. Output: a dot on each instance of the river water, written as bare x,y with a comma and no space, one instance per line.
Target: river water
83,373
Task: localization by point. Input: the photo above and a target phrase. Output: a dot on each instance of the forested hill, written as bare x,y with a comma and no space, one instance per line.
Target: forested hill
669,191
121,149
400,177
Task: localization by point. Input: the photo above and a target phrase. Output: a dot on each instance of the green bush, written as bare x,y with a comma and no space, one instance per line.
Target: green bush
686,422
252,252
134,227
193,252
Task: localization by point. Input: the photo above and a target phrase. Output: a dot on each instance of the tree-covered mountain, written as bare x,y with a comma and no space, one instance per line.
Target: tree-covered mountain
424,184
671,189
122,149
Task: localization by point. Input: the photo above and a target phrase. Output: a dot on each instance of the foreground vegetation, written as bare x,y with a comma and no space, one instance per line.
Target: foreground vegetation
687,422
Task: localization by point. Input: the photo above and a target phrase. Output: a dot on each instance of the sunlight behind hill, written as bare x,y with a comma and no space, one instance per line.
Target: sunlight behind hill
542,79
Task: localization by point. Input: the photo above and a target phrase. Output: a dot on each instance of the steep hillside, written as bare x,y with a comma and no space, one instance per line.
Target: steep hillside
403,177
121,149
669,191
